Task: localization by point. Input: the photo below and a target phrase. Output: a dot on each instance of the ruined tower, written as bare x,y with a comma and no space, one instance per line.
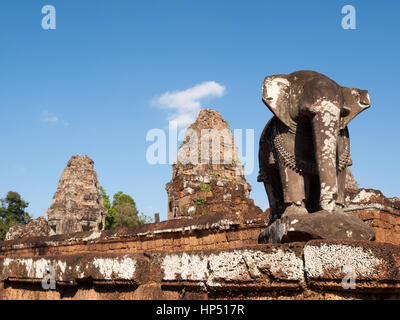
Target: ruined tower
351,183
208,176
77,204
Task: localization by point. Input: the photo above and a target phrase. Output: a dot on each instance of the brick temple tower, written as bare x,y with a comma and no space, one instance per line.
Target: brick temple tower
208,176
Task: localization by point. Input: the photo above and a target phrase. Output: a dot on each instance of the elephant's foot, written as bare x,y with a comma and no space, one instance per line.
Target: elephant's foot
295,209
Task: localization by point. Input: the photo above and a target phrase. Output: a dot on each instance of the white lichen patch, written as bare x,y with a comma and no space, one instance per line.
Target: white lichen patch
333,257
274,90
189,190
34,269
282,264
227,267
93,236
363,196
231,266
327,115
186,266
327,197
120,268
329,147
223,224
328,109
227,196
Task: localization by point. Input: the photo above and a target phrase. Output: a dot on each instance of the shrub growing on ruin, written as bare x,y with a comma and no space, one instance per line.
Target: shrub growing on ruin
122,212
12,212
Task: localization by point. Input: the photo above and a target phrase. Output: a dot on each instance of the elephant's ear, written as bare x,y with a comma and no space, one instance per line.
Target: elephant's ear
276,96
355,101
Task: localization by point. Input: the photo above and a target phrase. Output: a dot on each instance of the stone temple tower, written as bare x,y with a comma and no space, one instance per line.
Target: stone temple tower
208,176
77,204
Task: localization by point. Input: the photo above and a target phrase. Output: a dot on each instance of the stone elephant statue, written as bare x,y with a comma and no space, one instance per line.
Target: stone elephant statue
305,148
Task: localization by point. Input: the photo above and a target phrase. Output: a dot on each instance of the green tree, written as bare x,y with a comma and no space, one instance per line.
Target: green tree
122,212
12,212
110,210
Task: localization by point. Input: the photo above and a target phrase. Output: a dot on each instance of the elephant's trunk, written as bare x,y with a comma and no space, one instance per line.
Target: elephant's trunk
325,125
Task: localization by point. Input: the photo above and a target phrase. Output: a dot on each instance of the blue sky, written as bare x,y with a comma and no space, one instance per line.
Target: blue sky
87,87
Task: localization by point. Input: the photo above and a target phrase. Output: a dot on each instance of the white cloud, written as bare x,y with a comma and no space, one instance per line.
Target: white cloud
49,117
185,104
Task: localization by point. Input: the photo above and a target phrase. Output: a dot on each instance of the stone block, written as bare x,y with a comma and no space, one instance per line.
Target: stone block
318,225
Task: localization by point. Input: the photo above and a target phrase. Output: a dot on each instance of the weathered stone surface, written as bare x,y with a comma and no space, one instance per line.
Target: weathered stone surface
369,199
77,204
203,257
304,157
201,232
351,183
318,225
71,268
253,268
379,212
305,148
208,176
34,228
312,270
371,264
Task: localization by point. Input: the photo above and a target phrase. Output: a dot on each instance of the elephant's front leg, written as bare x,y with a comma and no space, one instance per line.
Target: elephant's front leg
325,125
293,190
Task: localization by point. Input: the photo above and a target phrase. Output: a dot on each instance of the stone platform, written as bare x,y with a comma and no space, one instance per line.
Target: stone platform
312,270
317,225
201,258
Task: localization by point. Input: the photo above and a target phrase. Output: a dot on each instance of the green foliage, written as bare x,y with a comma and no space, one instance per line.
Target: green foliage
120,198
110,211
126,215
202,213
217,174
12,212
205,187
200,201
106,198
187,214
110,218
237,179
122,212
